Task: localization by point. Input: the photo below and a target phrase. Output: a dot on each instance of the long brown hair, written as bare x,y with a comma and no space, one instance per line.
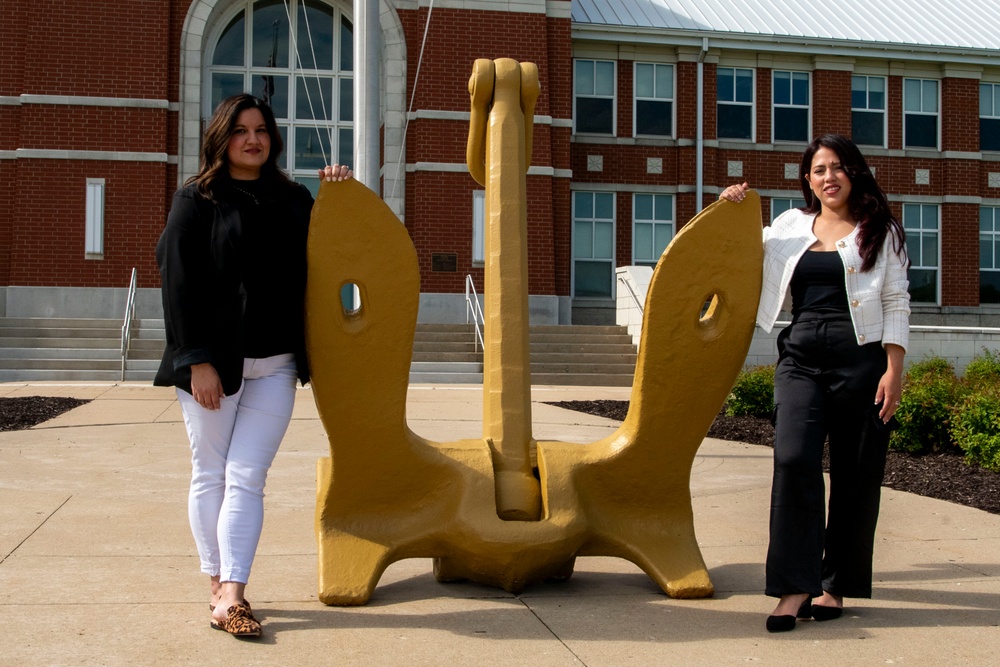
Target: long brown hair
866,203
214,161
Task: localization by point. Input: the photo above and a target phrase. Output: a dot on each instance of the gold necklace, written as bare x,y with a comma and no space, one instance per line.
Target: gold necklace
248,194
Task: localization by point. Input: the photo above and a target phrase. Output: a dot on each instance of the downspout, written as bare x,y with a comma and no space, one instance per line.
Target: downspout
700,138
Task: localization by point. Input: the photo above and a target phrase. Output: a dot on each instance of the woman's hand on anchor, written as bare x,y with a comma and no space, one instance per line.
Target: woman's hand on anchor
735,193
336,172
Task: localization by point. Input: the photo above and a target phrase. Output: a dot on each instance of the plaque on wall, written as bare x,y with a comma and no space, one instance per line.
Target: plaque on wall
445,262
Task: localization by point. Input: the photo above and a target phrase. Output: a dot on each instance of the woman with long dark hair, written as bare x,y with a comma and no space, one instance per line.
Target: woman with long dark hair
839,266
232,262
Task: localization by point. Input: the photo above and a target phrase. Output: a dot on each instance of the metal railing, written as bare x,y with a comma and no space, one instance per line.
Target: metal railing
127,325
631,293
474,310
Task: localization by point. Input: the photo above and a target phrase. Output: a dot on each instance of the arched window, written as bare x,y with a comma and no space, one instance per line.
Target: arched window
302,67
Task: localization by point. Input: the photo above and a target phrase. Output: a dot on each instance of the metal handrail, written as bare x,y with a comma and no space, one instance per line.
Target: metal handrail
631,293
476,311
127,325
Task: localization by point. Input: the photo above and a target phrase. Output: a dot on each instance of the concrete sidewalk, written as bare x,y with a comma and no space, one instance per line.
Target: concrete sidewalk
98,566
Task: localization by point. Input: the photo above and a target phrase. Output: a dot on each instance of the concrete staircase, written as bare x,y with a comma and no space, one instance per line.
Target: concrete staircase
36,349
33,349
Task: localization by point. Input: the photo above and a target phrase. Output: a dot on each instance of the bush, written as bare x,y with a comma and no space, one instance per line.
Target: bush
983,372
753,393
975,428
930,388
929,367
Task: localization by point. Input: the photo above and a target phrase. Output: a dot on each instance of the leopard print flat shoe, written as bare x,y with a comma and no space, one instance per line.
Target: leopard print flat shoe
246,603
239,622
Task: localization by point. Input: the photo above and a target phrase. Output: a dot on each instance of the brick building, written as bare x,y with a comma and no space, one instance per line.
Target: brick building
102,105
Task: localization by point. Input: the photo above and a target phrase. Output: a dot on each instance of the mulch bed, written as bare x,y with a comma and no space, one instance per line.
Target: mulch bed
941,476
26,411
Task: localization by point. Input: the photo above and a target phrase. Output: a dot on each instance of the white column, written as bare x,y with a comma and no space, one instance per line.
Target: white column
367,54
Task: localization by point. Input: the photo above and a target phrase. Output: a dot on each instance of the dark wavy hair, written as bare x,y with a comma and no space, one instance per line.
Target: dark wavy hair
867,203
215,162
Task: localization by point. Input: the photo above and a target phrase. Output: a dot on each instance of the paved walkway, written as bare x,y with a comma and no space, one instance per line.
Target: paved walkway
97,565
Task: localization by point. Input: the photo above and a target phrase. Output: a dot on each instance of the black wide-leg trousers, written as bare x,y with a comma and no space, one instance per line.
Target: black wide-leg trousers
824,386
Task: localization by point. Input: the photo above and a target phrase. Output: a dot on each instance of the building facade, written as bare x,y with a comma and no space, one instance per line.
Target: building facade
642,119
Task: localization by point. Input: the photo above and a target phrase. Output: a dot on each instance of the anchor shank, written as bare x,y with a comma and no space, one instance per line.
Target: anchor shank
506,362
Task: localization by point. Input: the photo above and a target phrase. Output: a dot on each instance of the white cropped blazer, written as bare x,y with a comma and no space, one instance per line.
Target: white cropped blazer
879,300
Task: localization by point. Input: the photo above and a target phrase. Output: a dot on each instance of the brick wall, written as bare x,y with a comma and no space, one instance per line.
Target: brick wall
47,240
96,48
132,50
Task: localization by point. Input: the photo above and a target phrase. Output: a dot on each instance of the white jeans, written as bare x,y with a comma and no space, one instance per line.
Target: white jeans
231,451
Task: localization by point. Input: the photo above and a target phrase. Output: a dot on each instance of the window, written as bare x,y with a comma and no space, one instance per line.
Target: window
779,205
734,108
94,235
594,96
989,117
654,99
868,110
593,244
305,73
989,254
920,113
478,227
921,222
791,106
652,227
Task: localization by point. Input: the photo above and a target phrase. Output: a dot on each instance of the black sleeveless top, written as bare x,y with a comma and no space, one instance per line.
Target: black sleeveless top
818,283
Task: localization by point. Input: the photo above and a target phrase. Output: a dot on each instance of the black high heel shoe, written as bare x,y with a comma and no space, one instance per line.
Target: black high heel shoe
780,623
824,613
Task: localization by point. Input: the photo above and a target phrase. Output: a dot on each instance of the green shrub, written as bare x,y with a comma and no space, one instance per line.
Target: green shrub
932,366
975,428
983,371
930,389
753,393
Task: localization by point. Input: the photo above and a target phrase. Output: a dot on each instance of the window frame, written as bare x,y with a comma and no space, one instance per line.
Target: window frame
479,228
994,116
332,131
884,112
995,235
918,232
791,104
614,241
94,218
671,100
671,222
613,96
752,104
793,202
936,113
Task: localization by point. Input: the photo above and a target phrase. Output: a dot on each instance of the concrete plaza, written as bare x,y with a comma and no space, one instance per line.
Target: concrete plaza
98,567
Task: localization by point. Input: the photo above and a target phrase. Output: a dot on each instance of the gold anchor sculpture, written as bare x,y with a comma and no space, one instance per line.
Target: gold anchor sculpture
505,510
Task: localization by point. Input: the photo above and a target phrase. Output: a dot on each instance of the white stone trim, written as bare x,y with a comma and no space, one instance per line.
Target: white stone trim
512,6
81,100
462,168
110,156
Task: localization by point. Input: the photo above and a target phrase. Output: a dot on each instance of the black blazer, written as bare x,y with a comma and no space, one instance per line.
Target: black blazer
201,270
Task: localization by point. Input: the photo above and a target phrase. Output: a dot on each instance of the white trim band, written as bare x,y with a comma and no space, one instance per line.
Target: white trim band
462,168
80,100
110,156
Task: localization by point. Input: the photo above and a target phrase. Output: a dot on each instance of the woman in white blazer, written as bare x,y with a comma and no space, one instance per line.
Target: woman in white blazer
839,266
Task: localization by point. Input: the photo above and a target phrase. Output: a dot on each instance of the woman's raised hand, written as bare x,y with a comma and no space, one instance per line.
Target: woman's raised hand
735,193
336,172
